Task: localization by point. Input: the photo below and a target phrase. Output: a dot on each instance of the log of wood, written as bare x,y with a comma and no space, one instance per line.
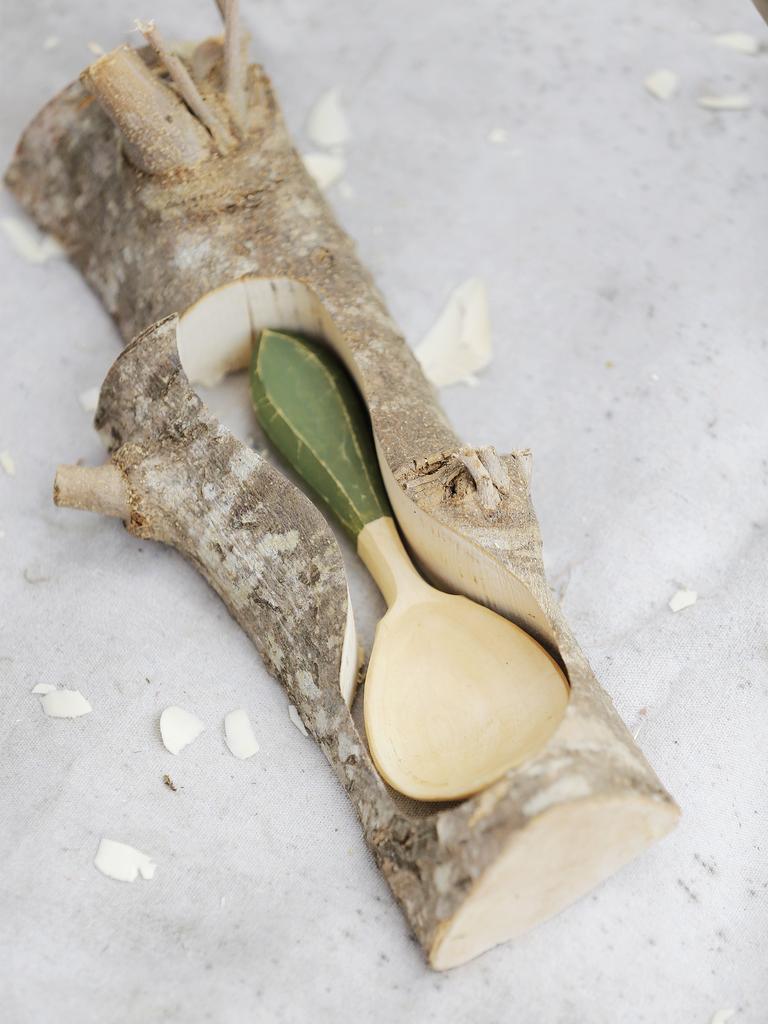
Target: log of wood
244,241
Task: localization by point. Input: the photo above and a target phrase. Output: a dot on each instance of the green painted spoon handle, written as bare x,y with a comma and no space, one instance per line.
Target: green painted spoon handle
311,411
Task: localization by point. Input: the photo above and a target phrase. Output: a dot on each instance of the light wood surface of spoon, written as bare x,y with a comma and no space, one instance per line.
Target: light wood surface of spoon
455,695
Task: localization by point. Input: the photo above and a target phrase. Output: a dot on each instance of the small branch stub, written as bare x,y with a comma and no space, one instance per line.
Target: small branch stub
160,134
101,489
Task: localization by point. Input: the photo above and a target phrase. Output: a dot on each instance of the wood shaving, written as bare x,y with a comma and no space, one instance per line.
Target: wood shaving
6,461
721,1016
683,599
31,244
65,704
89,399
459,343
168,781
123,862
51,42
498,136
327,123
178,728
662,84
295,717
732,101
238,733
325,168
41,688
742,42
35,574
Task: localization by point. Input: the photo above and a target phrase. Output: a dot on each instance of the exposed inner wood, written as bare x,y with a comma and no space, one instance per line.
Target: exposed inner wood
547,863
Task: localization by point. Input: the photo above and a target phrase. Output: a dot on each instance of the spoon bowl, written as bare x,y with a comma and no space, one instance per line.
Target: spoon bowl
455,695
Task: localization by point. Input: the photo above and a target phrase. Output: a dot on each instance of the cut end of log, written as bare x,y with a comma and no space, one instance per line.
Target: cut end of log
557,857
101,489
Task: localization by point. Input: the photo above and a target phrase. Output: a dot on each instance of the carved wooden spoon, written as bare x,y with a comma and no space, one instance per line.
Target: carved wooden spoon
455,694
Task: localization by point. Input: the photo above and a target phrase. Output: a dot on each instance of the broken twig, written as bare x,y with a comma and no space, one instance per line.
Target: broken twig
93,489
234,63
187,88
160,134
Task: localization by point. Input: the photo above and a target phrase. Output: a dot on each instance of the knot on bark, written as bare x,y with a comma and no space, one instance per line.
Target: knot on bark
453,476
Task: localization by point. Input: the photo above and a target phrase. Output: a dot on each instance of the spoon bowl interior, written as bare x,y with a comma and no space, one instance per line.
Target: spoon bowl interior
455,696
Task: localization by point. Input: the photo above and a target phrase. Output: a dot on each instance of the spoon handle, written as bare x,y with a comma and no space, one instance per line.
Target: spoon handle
310,409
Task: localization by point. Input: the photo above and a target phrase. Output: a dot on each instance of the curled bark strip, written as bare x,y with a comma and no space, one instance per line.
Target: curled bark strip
246,241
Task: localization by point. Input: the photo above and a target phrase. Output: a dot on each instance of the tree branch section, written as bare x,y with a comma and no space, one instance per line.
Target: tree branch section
173,182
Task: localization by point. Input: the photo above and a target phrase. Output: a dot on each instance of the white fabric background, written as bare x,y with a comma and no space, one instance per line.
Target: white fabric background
610,229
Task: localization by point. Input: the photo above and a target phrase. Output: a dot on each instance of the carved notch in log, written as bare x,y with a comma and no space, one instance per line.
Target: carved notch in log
241,239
